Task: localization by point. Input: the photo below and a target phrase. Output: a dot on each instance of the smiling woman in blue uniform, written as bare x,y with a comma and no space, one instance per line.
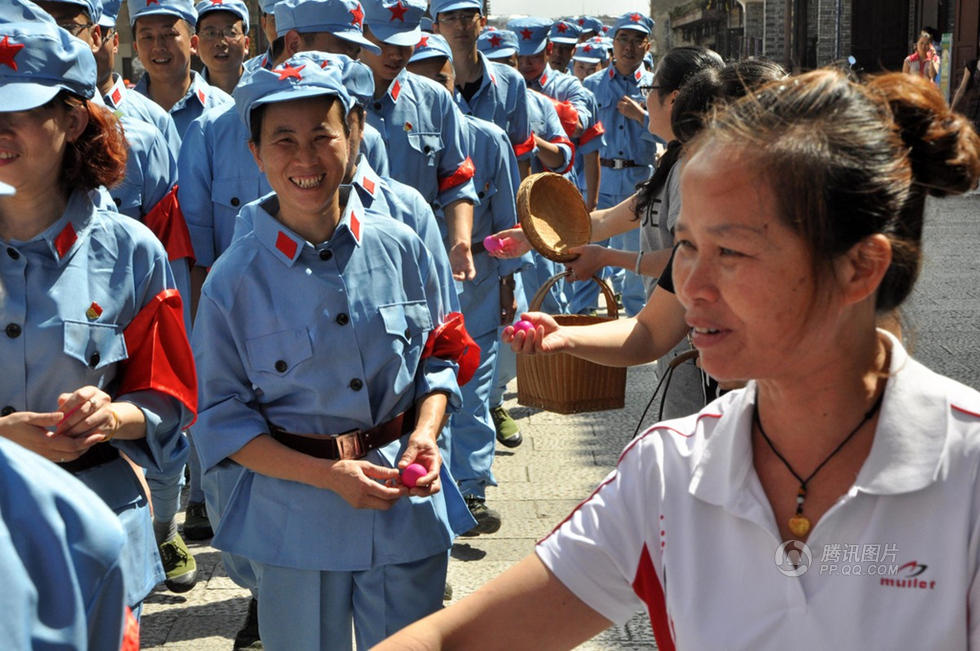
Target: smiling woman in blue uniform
288,375
88,297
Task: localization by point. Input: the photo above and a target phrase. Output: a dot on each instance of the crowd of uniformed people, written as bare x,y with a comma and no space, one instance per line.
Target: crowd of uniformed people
265,284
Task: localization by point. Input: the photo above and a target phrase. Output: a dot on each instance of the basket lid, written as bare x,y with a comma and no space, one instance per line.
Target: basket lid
553,215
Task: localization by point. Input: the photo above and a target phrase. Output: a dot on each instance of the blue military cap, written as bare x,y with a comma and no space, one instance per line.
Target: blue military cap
431,46
18,11
425,24
497,43
342,18
437,7
110,11
298,77
92,7
566,32
532,34
589,24
236,7
355,75
395,22
635,21
268,6
38,60
590,52
180,8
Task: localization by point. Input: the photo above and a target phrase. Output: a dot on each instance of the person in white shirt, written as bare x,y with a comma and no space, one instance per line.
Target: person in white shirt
830,503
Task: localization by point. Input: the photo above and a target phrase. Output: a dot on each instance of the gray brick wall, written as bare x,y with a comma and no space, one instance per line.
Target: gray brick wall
775,22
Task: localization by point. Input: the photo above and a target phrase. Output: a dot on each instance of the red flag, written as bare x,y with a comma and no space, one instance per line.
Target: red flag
167,222
451,341
160,356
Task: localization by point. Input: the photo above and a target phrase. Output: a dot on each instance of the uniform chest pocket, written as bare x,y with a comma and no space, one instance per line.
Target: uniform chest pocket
233,193
94,344
279,352
407,321
427,144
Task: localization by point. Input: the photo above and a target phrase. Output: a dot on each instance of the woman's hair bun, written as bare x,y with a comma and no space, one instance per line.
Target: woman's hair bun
944,148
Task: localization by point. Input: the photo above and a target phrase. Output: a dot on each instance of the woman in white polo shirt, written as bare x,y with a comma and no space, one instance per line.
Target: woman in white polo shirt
832,503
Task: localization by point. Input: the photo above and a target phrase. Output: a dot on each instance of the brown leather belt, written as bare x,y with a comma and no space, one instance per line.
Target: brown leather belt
350,445
95,456
619,163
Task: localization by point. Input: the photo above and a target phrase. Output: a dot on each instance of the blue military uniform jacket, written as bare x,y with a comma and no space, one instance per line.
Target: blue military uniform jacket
91,263
200,97
126,102
625,138
340,350
501,99
61,575
425,135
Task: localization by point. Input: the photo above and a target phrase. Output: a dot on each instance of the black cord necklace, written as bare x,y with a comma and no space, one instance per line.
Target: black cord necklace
799,524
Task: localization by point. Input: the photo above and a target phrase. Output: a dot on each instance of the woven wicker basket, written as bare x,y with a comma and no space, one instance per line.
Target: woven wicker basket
565,384
553,215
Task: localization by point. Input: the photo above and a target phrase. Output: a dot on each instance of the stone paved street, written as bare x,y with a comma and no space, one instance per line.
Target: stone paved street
564,457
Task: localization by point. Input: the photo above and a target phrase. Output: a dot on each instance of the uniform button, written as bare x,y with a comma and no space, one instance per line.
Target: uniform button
408,333
620,126
12,330
481,194
427,149
342,319
281,366
94,360
13,253
235,201
326,254
620,153
377,106
6,411
356,384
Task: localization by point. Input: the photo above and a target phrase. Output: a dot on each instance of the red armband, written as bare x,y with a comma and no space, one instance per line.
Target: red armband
160,356
591,133
131,632
451,341
568,116
525,147
167,222
462,174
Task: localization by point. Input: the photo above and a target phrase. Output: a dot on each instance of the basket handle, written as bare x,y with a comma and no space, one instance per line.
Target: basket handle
611,307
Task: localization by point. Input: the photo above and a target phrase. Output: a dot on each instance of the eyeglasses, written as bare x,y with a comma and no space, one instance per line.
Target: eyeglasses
630,42
74,28
459,17
212,34
645,90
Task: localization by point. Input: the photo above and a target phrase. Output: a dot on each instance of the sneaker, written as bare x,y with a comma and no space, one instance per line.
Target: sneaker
196,523
487,519
179,564
508,434
247,638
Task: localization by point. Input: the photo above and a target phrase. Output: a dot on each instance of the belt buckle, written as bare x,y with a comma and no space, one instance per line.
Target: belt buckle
349,445
619,164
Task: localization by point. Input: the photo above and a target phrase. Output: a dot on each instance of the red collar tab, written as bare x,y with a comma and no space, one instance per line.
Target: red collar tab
8,51
358,16
201,96
395,90
287,72
638,73
355,226
612,71
66,238
544,79
116,96
286,245
368,185
217,2
397,12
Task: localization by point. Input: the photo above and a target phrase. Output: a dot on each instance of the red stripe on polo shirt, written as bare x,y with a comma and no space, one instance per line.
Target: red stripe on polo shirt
646,585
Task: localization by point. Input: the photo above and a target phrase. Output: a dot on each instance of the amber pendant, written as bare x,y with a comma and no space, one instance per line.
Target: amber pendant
799,525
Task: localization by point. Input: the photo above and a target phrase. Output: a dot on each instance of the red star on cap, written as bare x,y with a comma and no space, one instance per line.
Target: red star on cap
636,18
217,2
8,51
581,21
358,16
495,41
398,11
562,27
424,42
152,2
526,34
285,72
587,48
